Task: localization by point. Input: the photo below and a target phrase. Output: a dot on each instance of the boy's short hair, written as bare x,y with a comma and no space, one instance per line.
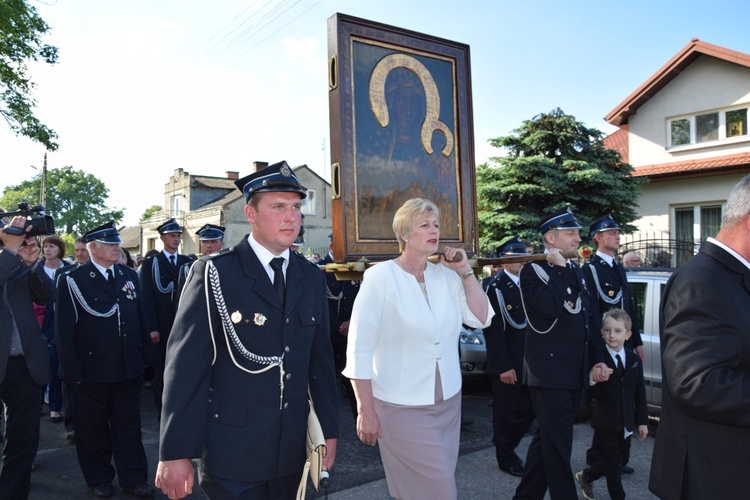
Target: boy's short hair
619,315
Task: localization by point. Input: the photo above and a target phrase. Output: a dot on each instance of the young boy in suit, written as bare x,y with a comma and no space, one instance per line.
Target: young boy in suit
620,406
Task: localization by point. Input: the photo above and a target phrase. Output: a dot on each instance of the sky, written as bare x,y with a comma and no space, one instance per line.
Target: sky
144,87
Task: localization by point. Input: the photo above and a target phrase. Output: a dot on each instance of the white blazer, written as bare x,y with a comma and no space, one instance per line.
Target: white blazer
396,337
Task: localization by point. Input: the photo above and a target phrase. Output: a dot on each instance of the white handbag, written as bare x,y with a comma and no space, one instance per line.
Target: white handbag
316,450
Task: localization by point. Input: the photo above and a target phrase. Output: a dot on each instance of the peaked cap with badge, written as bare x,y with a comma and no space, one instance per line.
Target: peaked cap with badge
603,223
171,226
211,232
561,219
511,246
106,233
273,178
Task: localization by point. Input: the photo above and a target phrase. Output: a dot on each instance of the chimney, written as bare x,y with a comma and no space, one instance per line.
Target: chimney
233,175
259,165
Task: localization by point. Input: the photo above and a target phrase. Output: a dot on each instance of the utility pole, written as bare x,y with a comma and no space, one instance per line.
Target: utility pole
43,188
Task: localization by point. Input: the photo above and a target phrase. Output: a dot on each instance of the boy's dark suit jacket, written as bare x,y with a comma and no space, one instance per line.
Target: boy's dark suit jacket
702,449
620,402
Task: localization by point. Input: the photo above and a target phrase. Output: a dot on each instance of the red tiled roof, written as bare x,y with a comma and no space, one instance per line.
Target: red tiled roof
696,168
619,142
668,72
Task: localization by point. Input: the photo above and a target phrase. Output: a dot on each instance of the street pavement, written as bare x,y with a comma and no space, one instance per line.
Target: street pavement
358,473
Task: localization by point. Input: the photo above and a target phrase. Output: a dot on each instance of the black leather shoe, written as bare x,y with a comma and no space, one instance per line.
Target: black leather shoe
626,469
514,470
104,490
139,490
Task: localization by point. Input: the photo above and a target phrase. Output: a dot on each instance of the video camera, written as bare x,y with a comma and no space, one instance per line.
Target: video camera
41,224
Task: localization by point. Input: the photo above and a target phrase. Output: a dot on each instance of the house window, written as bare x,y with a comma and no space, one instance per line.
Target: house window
680,132
176,205
710,221
688,234
736,121
707,127
308,204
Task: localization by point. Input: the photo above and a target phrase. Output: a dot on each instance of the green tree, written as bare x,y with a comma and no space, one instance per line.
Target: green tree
21,31
150,211
552,160
75,199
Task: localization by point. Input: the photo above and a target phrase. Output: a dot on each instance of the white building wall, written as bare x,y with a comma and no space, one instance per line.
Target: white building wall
707,84
658,199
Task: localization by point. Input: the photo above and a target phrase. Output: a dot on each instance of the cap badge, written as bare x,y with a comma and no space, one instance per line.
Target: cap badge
285,171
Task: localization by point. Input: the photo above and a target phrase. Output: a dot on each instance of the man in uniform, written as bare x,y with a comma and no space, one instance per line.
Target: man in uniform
556,357
607,279
211,241
250,340
103,344
24,356
159,276
82,253
512,413
341,295
609,290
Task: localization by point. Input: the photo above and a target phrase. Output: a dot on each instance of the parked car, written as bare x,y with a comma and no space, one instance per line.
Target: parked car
646,288
472,352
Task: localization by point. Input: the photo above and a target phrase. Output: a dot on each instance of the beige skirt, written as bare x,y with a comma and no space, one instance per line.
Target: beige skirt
419,447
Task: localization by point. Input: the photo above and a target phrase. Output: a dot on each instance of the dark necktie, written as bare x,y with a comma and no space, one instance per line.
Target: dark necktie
173,260
620,369
110,278
277,263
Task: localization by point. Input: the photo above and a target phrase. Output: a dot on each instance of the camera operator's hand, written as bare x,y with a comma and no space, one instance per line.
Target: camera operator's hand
11,241
30,251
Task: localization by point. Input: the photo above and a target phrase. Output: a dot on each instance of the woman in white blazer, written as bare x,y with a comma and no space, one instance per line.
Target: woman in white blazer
402,355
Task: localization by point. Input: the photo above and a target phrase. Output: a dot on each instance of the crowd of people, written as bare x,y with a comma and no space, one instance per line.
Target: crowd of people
244,340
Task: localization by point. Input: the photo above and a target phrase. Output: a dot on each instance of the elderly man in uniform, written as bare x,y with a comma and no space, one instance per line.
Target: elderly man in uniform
211,241
557,357
159,275
249,341
512,413
103,345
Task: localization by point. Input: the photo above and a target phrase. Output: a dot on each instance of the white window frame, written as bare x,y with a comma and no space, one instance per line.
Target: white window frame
309,203
722,135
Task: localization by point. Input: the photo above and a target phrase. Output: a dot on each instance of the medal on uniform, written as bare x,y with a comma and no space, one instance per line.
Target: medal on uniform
236,317
259,319
611,293
509,307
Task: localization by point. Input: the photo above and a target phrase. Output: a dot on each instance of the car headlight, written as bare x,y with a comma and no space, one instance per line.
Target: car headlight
469,337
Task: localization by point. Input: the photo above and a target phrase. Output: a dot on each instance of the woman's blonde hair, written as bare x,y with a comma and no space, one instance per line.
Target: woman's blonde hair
407,216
